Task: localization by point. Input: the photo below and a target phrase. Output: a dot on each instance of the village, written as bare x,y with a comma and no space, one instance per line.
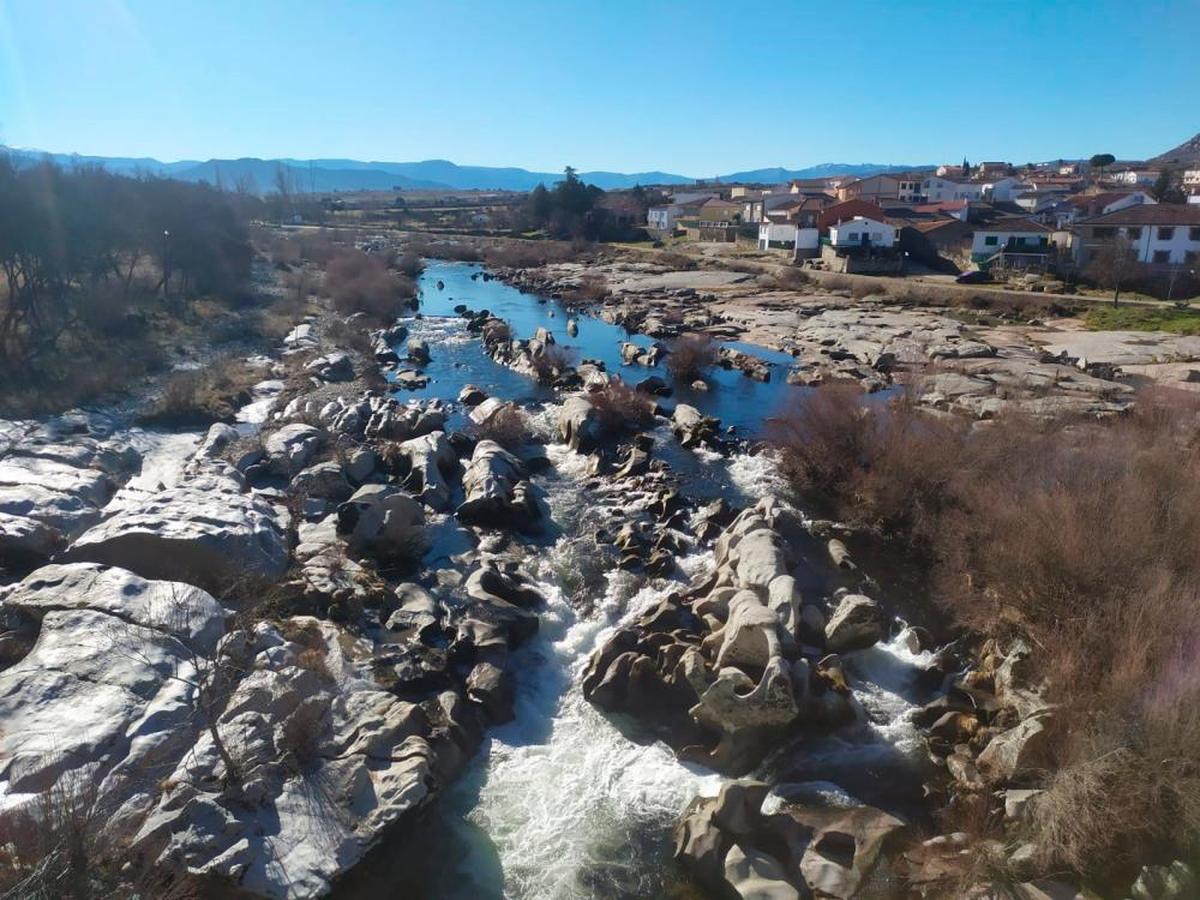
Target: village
988,221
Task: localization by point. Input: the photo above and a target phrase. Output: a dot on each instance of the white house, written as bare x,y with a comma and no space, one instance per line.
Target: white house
1136,176
788,236
664,218
1158,233
862,232
1191,178
1005,189
1012,234
936,188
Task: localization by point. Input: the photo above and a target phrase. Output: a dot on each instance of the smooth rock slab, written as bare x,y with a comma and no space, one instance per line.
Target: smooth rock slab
203,531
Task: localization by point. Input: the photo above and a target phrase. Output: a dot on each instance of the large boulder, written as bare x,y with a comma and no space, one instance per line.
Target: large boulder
856,624
335,366
384,521
497,490
204,531
430,457
580,426
291,448
691,427
1017,751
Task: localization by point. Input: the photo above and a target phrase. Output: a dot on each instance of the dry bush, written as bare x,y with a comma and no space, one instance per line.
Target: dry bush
553,362
620,406
1085,538
202,396
679,261
346,335
319,247
409,264
593,288
690,355
508,426
529,255
360,282
792,278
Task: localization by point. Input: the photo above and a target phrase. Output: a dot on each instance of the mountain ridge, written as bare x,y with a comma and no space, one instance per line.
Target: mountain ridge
334,174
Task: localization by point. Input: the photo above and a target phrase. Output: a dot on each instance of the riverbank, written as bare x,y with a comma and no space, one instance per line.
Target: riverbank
380,642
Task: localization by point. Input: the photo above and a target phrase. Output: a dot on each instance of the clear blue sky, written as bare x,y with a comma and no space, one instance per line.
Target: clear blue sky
697,88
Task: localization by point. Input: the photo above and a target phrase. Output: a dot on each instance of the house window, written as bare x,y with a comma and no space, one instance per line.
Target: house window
1194,233
877,235
1166,234
1162,257
852,236
1191,257
1133,233
991,240
1101,234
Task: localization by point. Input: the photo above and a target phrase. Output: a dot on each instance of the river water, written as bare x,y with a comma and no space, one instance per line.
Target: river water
565,802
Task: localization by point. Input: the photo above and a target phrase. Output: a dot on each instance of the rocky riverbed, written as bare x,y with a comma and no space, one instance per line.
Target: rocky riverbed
371,641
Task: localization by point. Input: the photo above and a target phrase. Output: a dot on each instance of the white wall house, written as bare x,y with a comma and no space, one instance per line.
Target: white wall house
787,236
1191,178
1005,190
662,218
936,188
1015,235
862,232
1159,234
1136,176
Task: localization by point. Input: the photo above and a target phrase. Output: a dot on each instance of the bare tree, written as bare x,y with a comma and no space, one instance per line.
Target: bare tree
1112,265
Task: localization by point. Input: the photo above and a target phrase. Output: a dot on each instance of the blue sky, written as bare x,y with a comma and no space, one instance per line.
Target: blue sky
695,88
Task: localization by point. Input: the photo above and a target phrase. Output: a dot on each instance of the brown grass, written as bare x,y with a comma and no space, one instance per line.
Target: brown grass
690,355
1085,538
619,406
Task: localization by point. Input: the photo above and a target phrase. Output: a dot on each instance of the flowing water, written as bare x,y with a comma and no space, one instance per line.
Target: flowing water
565,802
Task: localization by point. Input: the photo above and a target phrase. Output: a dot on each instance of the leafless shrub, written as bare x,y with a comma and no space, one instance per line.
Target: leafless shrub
360,282
1083,537
792,278
690,355
409,264
203,396
680,261
620,406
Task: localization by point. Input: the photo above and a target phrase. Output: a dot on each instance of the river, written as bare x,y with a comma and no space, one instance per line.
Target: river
564,802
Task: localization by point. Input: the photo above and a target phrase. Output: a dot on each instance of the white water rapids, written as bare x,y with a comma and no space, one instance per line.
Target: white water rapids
560,803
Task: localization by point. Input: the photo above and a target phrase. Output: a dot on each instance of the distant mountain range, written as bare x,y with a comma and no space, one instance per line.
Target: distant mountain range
327,175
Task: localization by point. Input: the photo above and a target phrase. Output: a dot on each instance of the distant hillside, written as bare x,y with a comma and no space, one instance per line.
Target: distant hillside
824,170
1187,153
328,175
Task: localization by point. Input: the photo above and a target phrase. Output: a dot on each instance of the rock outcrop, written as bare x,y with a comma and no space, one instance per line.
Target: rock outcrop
719,670
207,530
